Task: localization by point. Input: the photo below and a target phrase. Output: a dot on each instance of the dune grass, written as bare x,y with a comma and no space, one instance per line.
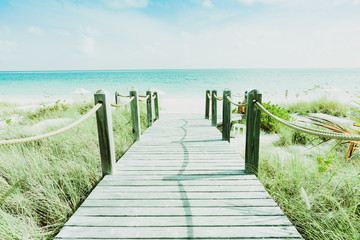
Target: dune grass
316,189
320,105
322,205
42,183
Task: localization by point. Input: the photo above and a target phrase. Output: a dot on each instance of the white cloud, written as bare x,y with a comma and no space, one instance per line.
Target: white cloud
35,30
90,31
7,47
87,45
126,3
208,4
88,37
62,32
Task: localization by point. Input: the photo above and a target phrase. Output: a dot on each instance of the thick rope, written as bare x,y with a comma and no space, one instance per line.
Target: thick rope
290,123
124,104
53,133
236,104
119,95
144,98
218,98
319,133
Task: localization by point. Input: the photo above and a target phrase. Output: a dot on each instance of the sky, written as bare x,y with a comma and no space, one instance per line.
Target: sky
178,34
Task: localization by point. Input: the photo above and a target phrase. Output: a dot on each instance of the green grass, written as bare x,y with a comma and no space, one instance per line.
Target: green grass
321,105
42,183
316,189
321,204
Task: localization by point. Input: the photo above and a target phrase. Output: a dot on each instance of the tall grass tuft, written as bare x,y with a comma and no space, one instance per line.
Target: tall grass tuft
321,204
42,183
321,105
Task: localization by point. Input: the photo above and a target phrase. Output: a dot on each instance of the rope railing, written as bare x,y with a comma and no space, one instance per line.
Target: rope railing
105,125
124,96
312,131
53,133
254,108
234,103
146,97
123,104
218,98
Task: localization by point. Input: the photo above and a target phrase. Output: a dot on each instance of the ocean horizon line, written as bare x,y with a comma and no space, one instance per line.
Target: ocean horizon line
184,69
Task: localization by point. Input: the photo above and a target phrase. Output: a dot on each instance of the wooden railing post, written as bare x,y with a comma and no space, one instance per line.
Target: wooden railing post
207,104
252,133
105,132
149,108
135,115
156,105
245,101
213,108
116,97
226,125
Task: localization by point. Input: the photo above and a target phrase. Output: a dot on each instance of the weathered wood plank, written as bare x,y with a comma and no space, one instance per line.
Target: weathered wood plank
209,221
179,211
263,202
141,182
178,232
215,172
175,195
175,188
209,177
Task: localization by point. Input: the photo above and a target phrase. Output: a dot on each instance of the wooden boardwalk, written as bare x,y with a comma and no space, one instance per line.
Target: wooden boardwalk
181,181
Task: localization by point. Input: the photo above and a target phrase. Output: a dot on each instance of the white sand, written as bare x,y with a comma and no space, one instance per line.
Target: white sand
177,105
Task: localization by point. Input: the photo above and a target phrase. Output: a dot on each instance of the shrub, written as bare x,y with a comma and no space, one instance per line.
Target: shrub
267,123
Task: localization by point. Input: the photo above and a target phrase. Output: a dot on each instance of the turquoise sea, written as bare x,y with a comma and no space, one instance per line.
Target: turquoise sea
176,83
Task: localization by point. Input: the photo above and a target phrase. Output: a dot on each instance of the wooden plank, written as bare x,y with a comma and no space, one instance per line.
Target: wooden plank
241,238
208,221
175,188
177,168
237,172
141,182
211,177
158,164
263,202
179,211
175,195
178,232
